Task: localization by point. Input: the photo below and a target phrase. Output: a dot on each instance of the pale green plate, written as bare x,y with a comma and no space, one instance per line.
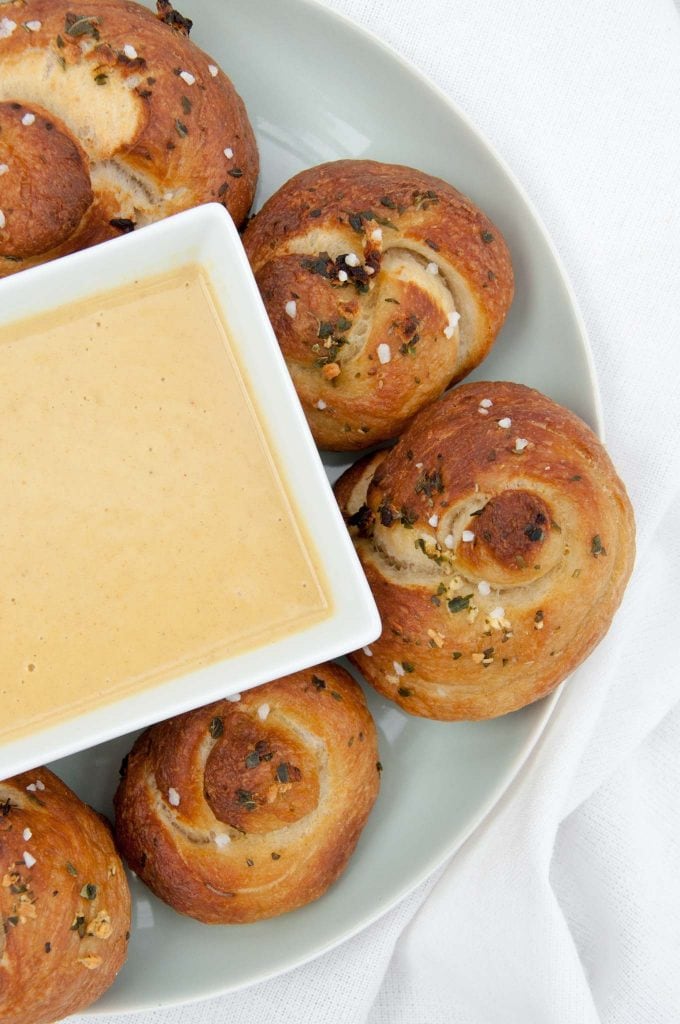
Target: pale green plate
318,88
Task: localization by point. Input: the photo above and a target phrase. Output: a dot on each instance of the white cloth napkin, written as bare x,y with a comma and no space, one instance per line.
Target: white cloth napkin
565,905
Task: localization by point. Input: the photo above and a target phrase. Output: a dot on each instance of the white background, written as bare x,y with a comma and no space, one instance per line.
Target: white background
564,907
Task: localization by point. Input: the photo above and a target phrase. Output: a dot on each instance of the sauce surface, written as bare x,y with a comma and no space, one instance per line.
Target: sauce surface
144,528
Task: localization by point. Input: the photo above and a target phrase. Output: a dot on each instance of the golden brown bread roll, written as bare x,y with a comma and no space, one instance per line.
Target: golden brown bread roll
64,901
497,539
383,285
250,808
110,117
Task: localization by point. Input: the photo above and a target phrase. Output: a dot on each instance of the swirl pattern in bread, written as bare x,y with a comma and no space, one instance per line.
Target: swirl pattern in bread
250,808
64,901
383,285
110,118
497,538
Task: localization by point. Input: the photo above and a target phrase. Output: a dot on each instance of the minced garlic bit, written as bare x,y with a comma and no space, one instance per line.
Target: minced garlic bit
432,268
449,541
28,119
27,834
376,235
342,276
367,651
369,270
29,859
234,698
222,840
434,520
454,317
398,668
228,152
173,797
478,658
31,787
100,926
130,52
39,785
352,260
486,403
505,423
520,444
187,77
483,412
3,169
33,26
468,536
7,26
384,353
3,220
484,588
291,308
263,711
90,961
321,405
436,637
214,70
497,613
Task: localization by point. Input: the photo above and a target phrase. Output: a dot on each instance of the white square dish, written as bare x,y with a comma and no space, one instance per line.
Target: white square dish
204,238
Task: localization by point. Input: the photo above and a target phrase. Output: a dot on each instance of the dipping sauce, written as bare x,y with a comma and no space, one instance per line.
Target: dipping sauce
144,529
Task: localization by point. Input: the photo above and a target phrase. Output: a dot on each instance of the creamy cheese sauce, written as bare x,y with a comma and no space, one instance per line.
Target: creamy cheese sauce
144,528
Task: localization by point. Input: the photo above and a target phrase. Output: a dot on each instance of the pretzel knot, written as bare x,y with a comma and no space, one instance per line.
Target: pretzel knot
249,808
110,118
383,285
497,538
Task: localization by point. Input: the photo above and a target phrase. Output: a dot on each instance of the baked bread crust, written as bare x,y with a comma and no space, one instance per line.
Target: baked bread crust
122,121
64,901
244,810
497,539
370,344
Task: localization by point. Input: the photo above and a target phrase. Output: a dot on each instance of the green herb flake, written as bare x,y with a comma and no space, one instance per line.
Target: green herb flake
235,172
325,329
408,517
89,891
459,604
276,856
408,666
70,868
379,766
282,773
320,684
574,478
389,203
252,759
335,695
48,947
538,617
404,691
101,78
456,655
81,25
249,862
182,130
487,237
186,104
343,324
596,546
216,727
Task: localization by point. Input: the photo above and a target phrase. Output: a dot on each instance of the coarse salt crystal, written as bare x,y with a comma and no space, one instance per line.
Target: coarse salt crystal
497,613
419,465
342,276
384,353
433,520
449,541
376,235
31,787
234,698
370,271
263,711
352,260
505,423
3,220
321,404
483,412
39,785
27,834
187,77
432,268
33,26
3,169
520,444
130,52
173,797
367,651
484,588
398,668
222,840
29,859
7,26
228,152
486,403
28,119
214,70
468,536
291,309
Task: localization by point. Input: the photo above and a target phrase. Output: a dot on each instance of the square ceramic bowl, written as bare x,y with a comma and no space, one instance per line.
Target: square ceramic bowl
204,237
